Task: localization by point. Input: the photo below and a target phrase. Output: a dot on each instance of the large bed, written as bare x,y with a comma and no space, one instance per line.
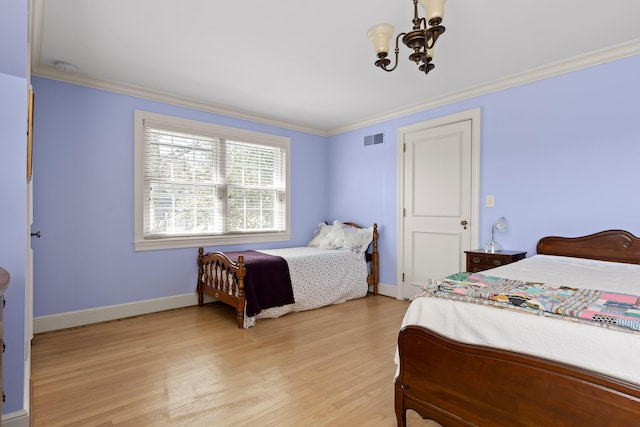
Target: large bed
340,263
468,364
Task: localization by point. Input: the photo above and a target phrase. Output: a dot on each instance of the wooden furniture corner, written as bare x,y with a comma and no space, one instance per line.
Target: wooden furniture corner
479,260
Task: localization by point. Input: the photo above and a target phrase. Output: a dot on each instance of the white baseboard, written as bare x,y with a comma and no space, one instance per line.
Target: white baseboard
388,290
102,314
72,319
16,419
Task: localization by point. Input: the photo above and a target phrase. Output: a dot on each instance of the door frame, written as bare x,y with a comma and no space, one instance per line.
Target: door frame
475,116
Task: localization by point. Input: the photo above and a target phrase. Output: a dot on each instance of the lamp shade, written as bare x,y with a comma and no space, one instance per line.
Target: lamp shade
501,224
433,9
380,35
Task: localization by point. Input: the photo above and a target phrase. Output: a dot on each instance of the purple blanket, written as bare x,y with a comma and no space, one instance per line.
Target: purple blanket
267,284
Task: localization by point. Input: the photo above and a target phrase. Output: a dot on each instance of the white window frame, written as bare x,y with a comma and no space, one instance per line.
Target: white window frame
217,131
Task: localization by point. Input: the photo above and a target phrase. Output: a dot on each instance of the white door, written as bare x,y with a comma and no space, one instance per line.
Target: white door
438,215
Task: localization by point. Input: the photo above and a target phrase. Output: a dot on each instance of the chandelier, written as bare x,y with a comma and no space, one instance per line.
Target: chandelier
421,39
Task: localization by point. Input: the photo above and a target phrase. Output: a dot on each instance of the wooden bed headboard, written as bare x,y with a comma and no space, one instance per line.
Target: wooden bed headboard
609,245
371,255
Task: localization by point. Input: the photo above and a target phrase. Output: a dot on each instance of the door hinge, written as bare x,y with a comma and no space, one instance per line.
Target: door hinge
403,277
404,212
404,147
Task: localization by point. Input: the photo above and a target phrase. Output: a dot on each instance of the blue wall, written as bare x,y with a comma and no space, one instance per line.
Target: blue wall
559,155
13,37
84,205
13,193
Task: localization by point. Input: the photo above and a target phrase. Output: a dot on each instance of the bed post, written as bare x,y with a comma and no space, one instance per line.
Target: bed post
242,271
401,412
199,281
374,260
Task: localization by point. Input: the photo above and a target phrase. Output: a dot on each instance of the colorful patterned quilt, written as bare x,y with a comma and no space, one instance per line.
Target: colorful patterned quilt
606,308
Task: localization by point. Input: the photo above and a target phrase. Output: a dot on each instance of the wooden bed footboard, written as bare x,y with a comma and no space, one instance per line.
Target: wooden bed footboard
458,384
222,279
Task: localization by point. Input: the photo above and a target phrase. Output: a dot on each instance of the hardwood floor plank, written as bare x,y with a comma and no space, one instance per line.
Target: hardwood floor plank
193,367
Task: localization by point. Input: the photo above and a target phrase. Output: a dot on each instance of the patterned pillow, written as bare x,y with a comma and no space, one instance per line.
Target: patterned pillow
335,238
357,240
320,233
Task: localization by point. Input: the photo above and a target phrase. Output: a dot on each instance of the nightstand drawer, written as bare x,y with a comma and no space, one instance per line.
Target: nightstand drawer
492,261
479,260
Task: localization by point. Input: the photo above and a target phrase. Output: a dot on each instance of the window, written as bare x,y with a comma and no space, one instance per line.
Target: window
199,184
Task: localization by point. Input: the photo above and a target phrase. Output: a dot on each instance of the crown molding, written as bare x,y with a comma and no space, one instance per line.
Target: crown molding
50,72
576,63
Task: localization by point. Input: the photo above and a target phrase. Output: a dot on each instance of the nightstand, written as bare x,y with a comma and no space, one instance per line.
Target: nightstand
479,260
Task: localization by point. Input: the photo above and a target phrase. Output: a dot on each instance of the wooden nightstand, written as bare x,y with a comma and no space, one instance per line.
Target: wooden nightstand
479,260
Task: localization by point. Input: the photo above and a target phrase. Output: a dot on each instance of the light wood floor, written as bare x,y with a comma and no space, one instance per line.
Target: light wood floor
194,367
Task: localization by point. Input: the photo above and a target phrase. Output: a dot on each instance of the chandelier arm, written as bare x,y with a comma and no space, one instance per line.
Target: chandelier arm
431,34
383,62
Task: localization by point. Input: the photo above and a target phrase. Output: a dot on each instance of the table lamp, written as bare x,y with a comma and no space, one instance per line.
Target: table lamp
499,225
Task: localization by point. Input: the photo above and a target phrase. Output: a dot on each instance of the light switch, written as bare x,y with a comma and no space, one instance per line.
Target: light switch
489,201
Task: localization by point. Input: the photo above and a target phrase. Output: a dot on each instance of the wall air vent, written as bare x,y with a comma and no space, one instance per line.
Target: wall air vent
378,138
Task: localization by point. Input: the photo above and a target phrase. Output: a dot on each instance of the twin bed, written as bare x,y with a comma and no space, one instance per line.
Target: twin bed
463,363
340,263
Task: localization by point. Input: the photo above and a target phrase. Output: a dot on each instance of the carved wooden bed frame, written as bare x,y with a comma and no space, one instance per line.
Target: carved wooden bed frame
223,279
460,384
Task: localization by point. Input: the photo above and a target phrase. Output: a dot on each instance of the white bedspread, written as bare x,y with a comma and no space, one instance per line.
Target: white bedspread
319,277
612,352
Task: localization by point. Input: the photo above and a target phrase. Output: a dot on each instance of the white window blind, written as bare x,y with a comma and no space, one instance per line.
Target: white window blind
200,181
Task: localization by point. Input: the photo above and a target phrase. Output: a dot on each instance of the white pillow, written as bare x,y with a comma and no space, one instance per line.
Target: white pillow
335,238
320,233
357,240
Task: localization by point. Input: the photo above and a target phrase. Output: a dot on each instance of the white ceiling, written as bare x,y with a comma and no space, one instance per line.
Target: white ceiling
309,65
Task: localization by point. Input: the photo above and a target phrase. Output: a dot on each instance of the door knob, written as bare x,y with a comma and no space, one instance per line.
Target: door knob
37,234
464,223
